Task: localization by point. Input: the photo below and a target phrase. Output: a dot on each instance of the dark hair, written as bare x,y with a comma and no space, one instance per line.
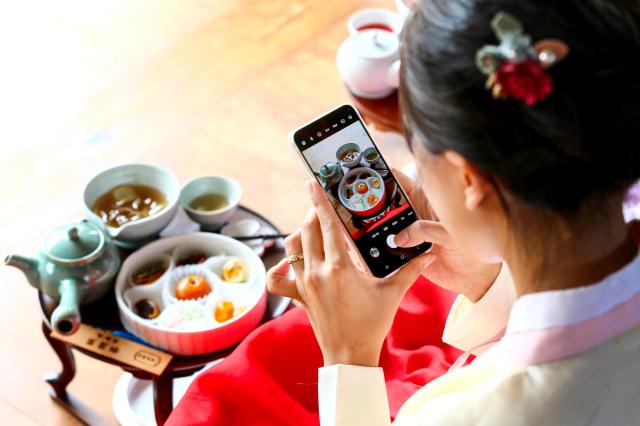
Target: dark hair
583,140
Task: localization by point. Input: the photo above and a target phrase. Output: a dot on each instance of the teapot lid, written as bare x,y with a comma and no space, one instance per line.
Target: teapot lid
327,169
76,242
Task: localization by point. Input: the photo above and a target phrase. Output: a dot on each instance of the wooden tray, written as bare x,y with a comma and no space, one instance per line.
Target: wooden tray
104,314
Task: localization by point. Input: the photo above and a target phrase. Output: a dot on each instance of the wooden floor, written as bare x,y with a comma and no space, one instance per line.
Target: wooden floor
200,86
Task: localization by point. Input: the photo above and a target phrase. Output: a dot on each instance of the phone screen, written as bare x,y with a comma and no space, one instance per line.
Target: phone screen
366,196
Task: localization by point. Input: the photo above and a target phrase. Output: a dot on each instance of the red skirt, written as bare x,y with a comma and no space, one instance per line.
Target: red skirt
271,378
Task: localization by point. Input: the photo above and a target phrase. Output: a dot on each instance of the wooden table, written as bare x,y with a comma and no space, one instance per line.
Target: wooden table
199,87
383,114
104,314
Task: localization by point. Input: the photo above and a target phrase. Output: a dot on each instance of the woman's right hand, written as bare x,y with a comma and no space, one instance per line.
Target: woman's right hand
451,267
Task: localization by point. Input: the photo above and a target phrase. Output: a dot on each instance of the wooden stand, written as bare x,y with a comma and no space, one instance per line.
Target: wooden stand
383,114
104,314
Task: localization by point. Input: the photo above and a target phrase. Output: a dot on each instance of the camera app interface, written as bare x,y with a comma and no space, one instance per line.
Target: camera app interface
361,188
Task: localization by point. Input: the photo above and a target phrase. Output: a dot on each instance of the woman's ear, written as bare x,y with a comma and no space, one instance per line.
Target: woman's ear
476,185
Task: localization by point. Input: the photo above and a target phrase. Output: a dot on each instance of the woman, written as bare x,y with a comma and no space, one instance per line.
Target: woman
524,150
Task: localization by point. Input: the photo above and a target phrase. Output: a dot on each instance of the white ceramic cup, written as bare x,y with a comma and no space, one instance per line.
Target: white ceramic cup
364,18
211,219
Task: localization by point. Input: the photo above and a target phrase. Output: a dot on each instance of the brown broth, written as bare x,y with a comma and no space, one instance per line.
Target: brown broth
127,203
209,202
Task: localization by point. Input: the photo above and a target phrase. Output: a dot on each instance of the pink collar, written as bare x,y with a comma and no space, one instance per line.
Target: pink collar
540,346
548,326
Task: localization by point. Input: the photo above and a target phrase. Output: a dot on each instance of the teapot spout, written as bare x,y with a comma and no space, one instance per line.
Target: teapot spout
65,319
28,265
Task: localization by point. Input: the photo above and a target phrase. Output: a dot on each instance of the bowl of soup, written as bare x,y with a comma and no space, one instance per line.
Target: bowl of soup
349,155
211,200
132,202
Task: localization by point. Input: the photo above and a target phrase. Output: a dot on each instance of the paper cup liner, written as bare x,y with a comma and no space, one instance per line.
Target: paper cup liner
184,315
216,264
169,290
245,301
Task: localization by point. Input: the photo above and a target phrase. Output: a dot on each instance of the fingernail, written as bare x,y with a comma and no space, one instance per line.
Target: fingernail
401,238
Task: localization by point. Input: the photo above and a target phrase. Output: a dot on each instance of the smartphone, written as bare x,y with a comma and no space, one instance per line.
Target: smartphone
340,153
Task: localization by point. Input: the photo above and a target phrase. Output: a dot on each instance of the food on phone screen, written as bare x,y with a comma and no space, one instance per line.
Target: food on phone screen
362,191
357,203
350,155
348,193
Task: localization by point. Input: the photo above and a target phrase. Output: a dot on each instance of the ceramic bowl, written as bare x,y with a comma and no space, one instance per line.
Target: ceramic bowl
212,336
211,219
141,174
347,147
348,191
371,155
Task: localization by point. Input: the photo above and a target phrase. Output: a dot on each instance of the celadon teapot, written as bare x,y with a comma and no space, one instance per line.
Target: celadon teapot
77,265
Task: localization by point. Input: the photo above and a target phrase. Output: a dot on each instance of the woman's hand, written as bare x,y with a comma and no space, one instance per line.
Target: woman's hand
450,266
350,311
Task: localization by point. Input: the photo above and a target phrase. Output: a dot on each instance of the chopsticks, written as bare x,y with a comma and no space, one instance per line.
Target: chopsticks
258,237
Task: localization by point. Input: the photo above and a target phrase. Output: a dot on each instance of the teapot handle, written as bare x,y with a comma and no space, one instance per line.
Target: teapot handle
65,319
393,74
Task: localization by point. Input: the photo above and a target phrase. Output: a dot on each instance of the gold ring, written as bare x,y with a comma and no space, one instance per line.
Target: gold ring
295,257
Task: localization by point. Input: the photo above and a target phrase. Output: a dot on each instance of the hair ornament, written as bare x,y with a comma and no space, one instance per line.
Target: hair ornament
515,68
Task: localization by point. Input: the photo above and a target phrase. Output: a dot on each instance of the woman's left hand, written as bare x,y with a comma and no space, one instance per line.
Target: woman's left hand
350,311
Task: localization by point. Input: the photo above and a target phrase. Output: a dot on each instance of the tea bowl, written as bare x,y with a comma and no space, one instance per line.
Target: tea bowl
221,185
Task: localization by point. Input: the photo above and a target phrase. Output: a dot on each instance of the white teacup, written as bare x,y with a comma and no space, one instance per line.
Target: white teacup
381,19
220,185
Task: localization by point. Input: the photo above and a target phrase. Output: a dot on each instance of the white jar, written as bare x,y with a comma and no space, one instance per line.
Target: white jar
368,62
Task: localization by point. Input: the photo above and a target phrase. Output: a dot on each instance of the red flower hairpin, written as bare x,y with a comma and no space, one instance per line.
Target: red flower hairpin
515,68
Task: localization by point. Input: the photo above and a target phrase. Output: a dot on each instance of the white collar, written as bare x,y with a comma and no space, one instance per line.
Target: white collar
559,308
